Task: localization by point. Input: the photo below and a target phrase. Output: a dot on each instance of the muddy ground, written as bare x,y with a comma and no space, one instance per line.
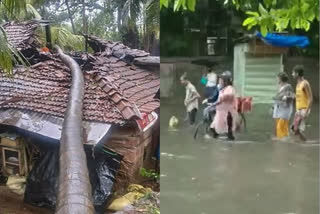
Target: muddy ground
11,203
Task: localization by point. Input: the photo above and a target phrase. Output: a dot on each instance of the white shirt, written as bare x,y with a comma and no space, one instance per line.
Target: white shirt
212,79
191,92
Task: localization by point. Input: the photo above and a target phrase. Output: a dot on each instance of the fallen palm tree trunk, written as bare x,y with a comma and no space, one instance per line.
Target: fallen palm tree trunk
74,195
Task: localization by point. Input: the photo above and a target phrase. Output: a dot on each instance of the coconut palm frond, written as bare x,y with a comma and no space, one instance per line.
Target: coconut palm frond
152,16
31,11
9,55
131,10
6,63
20,9
35,3
14,6
66,40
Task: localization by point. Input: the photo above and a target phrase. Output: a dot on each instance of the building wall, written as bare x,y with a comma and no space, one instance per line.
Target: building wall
135,147
239,61
255,74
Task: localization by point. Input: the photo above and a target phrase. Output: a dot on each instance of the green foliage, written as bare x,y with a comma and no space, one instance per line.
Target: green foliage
19,10
101,18
6,63
131,10
107,27
62,36
31,13
151,26
268,15
66,40
153,210
152,14
179,4
9,55
149,173
164,3
273,15
13,6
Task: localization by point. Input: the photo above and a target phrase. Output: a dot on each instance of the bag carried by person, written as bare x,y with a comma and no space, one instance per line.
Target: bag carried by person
203,80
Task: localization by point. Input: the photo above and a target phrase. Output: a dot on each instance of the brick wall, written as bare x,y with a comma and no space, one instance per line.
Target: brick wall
134,146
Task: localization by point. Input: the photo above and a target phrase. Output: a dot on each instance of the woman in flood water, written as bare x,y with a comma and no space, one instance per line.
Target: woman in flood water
283,106
225,119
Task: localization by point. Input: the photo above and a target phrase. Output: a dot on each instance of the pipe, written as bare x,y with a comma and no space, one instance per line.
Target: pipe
48,36
74,195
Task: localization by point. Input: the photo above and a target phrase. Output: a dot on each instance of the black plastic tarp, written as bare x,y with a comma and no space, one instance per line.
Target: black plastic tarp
103,167
42,182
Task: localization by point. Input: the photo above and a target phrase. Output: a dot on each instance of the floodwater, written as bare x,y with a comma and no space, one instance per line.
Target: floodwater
248,176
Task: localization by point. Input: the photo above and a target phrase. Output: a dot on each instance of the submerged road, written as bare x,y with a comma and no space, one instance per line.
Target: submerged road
251,175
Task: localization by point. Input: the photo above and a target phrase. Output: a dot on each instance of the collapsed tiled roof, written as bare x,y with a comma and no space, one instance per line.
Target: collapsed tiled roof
21,35
119,50
116,49
115,96
115,91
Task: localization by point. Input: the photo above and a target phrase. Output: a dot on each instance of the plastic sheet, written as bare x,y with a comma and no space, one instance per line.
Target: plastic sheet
42,182
284,40
102,170
16,184
135,192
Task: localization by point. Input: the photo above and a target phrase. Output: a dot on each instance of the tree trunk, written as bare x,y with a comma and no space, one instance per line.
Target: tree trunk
74,195
85,24
70,17
119,18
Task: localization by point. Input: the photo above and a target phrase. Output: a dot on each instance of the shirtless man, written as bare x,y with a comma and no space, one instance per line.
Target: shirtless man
303,101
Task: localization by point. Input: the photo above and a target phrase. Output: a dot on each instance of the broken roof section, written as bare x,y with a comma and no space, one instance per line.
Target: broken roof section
21,35
119,50
116,91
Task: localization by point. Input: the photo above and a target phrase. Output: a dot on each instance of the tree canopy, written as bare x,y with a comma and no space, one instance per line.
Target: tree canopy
268,15
134,22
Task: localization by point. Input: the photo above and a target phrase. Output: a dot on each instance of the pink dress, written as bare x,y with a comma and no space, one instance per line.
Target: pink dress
227,99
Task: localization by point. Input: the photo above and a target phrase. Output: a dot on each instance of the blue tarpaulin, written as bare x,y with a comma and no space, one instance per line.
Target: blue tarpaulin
284,40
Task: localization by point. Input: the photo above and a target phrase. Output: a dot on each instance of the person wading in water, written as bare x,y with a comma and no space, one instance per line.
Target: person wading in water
303,101
225,119
210,80
191,101
211,93
283,106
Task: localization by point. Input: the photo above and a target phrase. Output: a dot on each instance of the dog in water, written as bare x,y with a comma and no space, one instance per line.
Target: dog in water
173,123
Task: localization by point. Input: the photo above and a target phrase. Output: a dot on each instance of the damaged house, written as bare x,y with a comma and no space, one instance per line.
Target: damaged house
120,113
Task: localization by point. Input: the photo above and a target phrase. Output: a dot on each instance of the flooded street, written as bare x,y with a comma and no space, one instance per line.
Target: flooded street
251,175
